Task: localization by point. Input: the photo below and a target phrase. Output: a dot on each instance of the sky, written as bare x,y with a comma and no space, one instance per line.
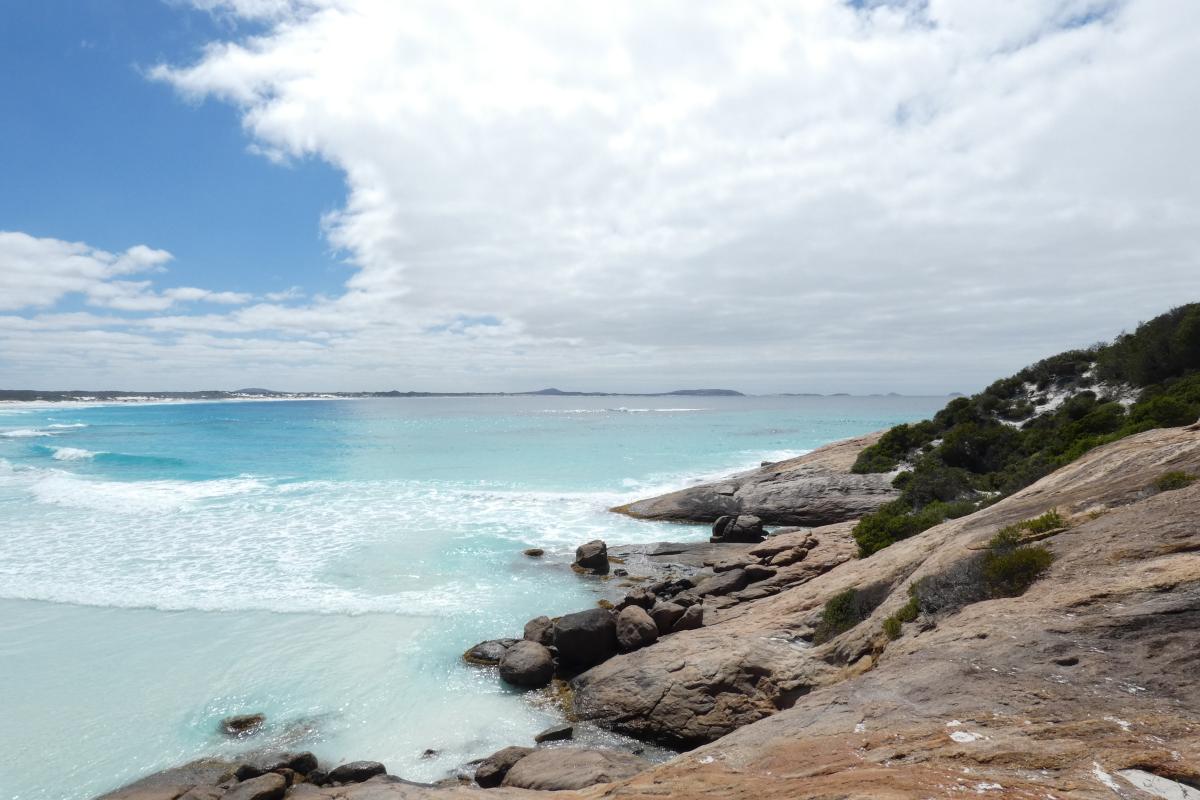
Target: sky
810,196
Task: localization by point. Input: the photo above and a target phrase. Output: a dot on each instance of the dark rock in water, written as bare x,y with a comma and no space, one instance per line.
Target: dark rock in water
429,753
692,618
620,573
534,552
489,653
243,724
638,597
318,777
724,583
265,787
665,615
743,528
556,733
493,768
635,628
540,630
356,772
572,768
592,557
585,638
527,664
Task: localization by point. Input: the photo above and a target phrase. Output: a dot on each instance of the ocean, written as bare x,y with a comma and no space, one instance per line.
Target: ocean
163,566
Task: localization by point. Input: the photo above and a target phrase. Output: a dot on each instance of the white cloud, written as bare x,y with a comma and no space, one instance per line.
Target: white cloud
784,195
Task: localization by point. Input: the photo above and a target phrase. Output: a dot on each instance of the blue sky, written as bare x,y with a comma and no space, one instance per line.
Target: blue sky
799,195
91,150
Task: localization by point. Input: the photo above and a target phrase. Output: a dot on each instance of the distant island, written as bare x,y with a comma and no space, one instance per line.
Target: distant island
80,395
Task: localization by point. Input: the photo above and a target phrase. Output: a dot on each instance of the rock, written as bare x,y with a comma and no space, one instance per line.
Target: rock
540,630
489,653
643,598
723,583
534,552
814,489
665,615
243,724
318,777
491,770
757,572
565,768
620,572
556,733
592,557
743,528
585,638
265,787
527,664
635,628
429,752
356,772
692,618
787,557
727,564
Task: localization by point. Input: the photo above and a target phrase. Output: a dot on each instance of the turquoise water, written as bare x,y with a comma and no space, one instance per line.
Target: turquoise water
326,562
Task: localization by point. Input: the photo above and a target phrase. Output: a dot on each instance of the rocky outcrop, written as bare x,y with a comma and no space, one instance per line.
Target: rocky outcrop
564,768
813,489
527,664
585,638
635,628
592,557
491,770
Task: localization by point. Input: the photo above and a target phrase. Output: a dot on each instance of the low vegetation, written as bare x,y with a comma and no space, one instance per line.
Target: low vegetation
845,610
1010,567
980,449
1176,479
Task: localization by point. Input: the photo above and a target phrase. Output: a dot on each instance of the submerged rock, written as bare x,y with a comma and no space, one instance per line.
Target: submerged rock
572,768
585,638
556,733
527,664
592,557
243,724
489,653
491,770
534,552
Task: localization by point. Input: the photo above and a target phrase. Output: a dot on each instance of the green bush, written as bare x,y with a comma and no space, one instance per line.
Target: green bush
891,626
845,610
1010,568
895,521
1169,481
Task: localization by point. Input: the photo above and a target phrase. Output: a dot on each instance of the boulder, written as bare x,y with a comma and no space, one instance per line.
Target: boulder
638,597
534,552
265,787
556,733
540,630
489,653
355,772
787,557
491,770
592,557
585,638
743,528
692,618
243,724
665,614
723,583
527,664
757,572
564,768
635,628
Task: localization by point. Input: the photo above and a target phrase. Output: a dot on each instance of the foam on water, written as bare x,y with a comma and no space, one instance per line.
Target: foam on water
25,433
71,454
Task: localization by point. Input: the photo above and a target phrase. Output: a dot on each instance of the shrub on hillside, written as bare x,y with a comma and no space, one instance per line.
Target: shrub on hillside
1176,479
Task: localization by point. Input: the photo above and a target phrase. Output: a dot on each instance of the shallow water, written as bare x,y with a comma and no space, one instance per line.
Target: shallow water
325,562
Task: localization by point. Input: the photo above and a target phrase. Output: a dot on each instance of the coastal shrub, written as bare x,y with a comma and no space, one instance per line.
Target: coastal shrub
1010,568
1176,479
845,610
891,626
979,449
906,613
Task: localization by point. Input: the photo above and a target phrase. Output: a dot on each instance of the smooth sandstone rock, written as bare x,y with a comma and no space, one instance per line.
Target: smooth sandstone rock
692,618
814,489
665,614
527,664
564,768
491,770
271,786
635,628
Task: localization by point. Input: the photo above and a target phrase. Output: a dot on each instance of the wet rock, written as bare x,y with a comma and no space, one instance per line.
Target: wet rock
556,733
585,638
635,628
592,557
489,653
243,724
430,753
665,615
692,618
491,770
743,528
572,768
534,552
540,630
527,664
356,772
265,787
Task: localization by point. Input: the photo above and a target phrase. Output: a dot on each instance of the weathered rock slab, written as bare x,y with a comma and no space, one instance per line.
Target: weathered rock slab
563,768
